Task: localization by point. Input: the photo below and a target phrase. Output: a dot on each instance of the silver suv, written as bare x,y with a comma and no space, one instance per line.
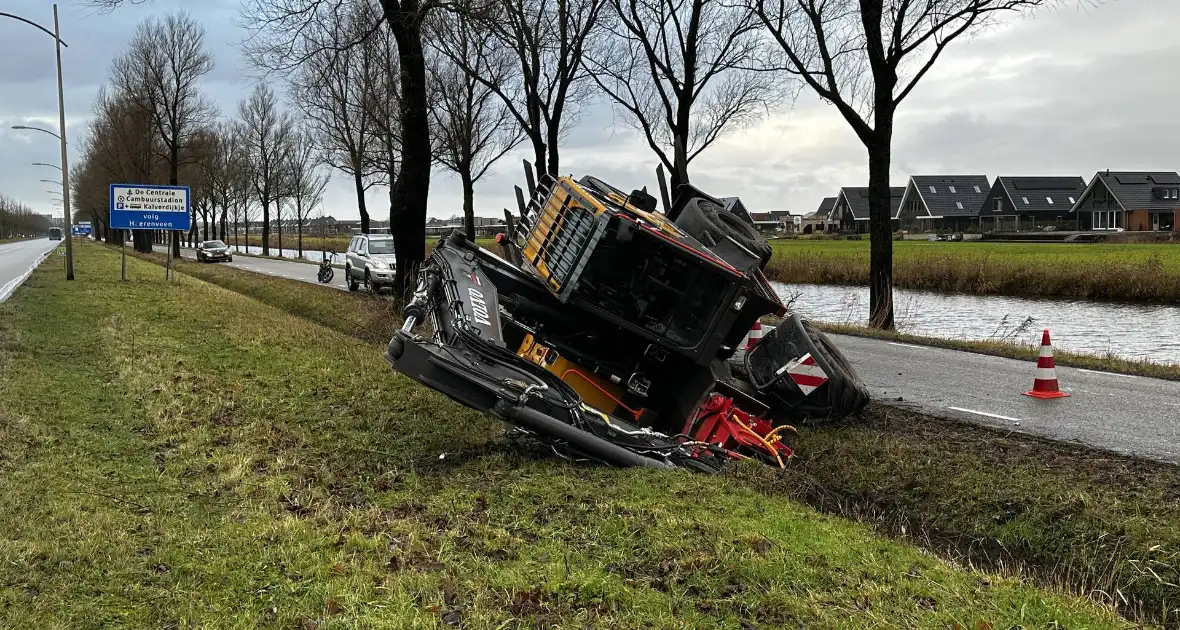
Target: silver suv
369,261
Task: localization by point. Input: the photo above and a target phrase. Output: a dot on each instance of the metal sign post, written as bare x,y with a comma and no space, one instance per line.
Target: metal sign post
124,241
141,207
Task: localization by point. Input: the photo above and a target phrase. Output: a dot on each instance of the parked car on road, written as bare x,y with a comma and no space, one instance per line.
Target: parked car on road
209,251
369,261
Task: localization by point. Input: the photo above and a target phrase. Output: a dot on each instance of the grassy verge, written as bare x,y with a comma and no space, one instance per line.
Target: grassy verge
1094,523
1170,371
197,458
1104,525
1125,272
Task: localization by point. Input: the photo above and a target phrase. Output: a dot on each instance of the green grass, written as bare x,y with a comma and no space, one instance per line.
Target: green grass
1102,524
180,455
1125,272
898,471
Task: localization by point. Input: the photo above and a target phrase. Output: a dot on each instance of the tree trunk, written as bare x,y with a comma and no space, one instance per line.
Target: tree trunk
142,240
880,232
279,225
359,182
468,203
299,225
407,212
265,228
247,234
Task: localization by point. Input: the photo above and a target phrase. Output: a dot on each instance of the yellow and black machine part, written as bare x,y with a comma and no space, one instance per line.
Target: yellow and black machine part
603,393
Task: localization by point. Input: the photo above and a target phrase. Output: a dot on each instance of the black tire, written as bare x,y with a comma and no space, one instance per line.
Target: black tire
352,285
843,395
711,224
369,286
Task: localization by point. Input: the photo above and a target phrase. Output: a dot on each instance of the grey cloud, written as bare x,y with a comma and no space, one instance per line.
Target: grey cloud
1069,90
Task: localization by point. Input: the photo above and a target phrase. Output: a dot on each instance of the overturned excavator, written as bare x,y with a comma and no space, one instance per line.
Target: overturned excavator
616,333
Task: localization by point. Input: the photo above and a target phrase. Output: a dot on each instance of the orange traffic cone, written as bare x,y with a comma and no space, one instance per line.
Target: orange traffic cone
754,335
1045,383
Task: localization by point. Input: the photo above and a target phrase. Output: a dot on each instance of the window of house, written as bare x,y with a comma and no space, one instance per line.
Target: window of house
933,191
952,190
959,205
1049,199
998,205
1025,199
977,191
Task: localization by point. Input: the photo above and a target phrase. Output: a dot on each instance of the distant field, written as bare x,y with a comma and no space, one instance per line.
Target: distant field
1168,254
1127,272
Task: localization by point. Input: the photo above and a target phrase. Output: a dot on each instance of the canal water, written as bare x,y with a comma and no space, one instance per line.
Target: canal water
1129,331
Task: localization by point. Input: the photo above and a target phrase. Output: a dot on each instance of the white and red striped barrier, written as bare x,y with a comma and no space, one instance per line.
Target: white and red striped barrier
806,373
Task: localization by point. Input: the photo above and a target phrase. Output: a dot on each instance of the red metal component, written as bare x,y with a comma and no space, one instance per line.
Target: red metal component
720,422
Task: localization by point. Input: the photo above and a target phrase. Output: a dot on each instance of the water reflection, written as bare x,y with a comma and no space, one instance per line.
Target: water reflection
1123,330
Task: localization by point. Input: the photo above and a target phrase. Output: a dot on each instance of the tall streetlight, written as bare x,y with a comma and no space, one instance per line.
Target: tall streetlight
49,165
61,135
50,181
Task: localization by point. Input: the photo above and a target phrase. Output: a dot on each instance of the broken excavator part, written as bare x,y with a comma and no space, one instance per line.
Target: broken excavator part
613,333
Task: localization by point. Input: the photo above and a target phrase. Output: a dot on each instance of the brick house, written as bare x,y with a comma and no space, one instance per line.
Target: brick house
1135,201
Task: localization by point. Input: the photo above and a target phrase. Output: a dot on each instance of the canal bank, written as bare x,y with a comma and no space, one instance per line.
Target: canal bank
1133,332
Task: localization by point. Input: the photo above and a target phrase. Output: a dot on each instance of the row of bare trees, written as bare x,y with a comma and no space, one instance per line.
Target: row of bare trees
470,79
152,124
18,219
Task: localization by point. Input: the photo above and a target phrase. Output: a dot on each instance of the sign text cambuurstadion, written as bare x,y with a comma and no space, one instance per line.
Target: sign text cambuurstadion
142,207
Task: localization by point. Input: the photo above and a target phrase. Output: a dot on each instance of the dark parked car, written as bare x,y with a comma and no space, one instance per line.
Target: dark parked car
209,251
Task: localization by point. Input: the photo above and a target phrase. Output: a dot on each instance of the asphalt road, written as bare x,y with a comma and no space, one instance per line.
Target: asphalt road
1125,414
305,272
17,261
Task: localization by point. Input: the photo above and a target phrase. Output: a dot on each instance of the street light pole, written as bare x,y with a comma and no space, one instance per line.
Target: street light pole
65,168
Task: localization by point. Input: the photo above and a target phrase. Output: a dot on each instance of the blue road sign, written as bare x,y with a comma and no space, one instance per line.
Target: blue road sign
139,207
82,229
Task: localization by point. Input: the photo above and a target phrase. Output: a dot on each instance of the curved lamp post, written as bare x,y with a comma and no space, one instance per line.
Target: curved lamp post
61,135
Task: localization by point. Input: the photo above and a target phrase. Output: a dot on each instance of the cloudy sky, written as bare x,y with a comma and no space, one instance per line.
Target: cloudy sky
1067,91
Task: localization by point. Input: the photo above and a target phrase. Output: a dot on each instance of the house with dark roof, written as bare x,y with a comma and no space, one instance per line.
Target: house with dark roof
942,202
851,210
1136,201
1025,203
820,220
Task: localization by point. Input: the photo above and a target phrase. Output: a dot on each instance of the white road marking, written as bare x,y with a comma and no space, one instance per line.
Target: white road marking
984,413
906,345
1106,373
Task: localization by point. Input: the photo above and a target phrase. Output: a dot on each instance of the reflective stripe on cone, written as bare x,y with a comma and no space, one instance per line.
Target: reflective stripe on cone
1045,381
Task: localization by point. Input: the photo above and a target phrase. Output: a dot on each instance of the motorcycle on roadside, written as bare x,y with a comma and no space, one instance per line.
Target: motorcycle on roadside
326,272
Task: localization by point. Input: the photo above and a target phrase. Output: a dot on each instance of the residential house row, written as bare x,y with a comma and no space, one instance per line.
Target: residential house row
1112,200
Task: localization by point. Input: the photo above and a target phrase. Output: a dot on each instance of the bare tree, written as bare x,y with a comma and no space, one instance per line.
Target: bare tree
267,134
278,27
865,58
473,128
162,68
548,42
683,73
307,183
382,100
228,174
331,88
121,146
18,220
